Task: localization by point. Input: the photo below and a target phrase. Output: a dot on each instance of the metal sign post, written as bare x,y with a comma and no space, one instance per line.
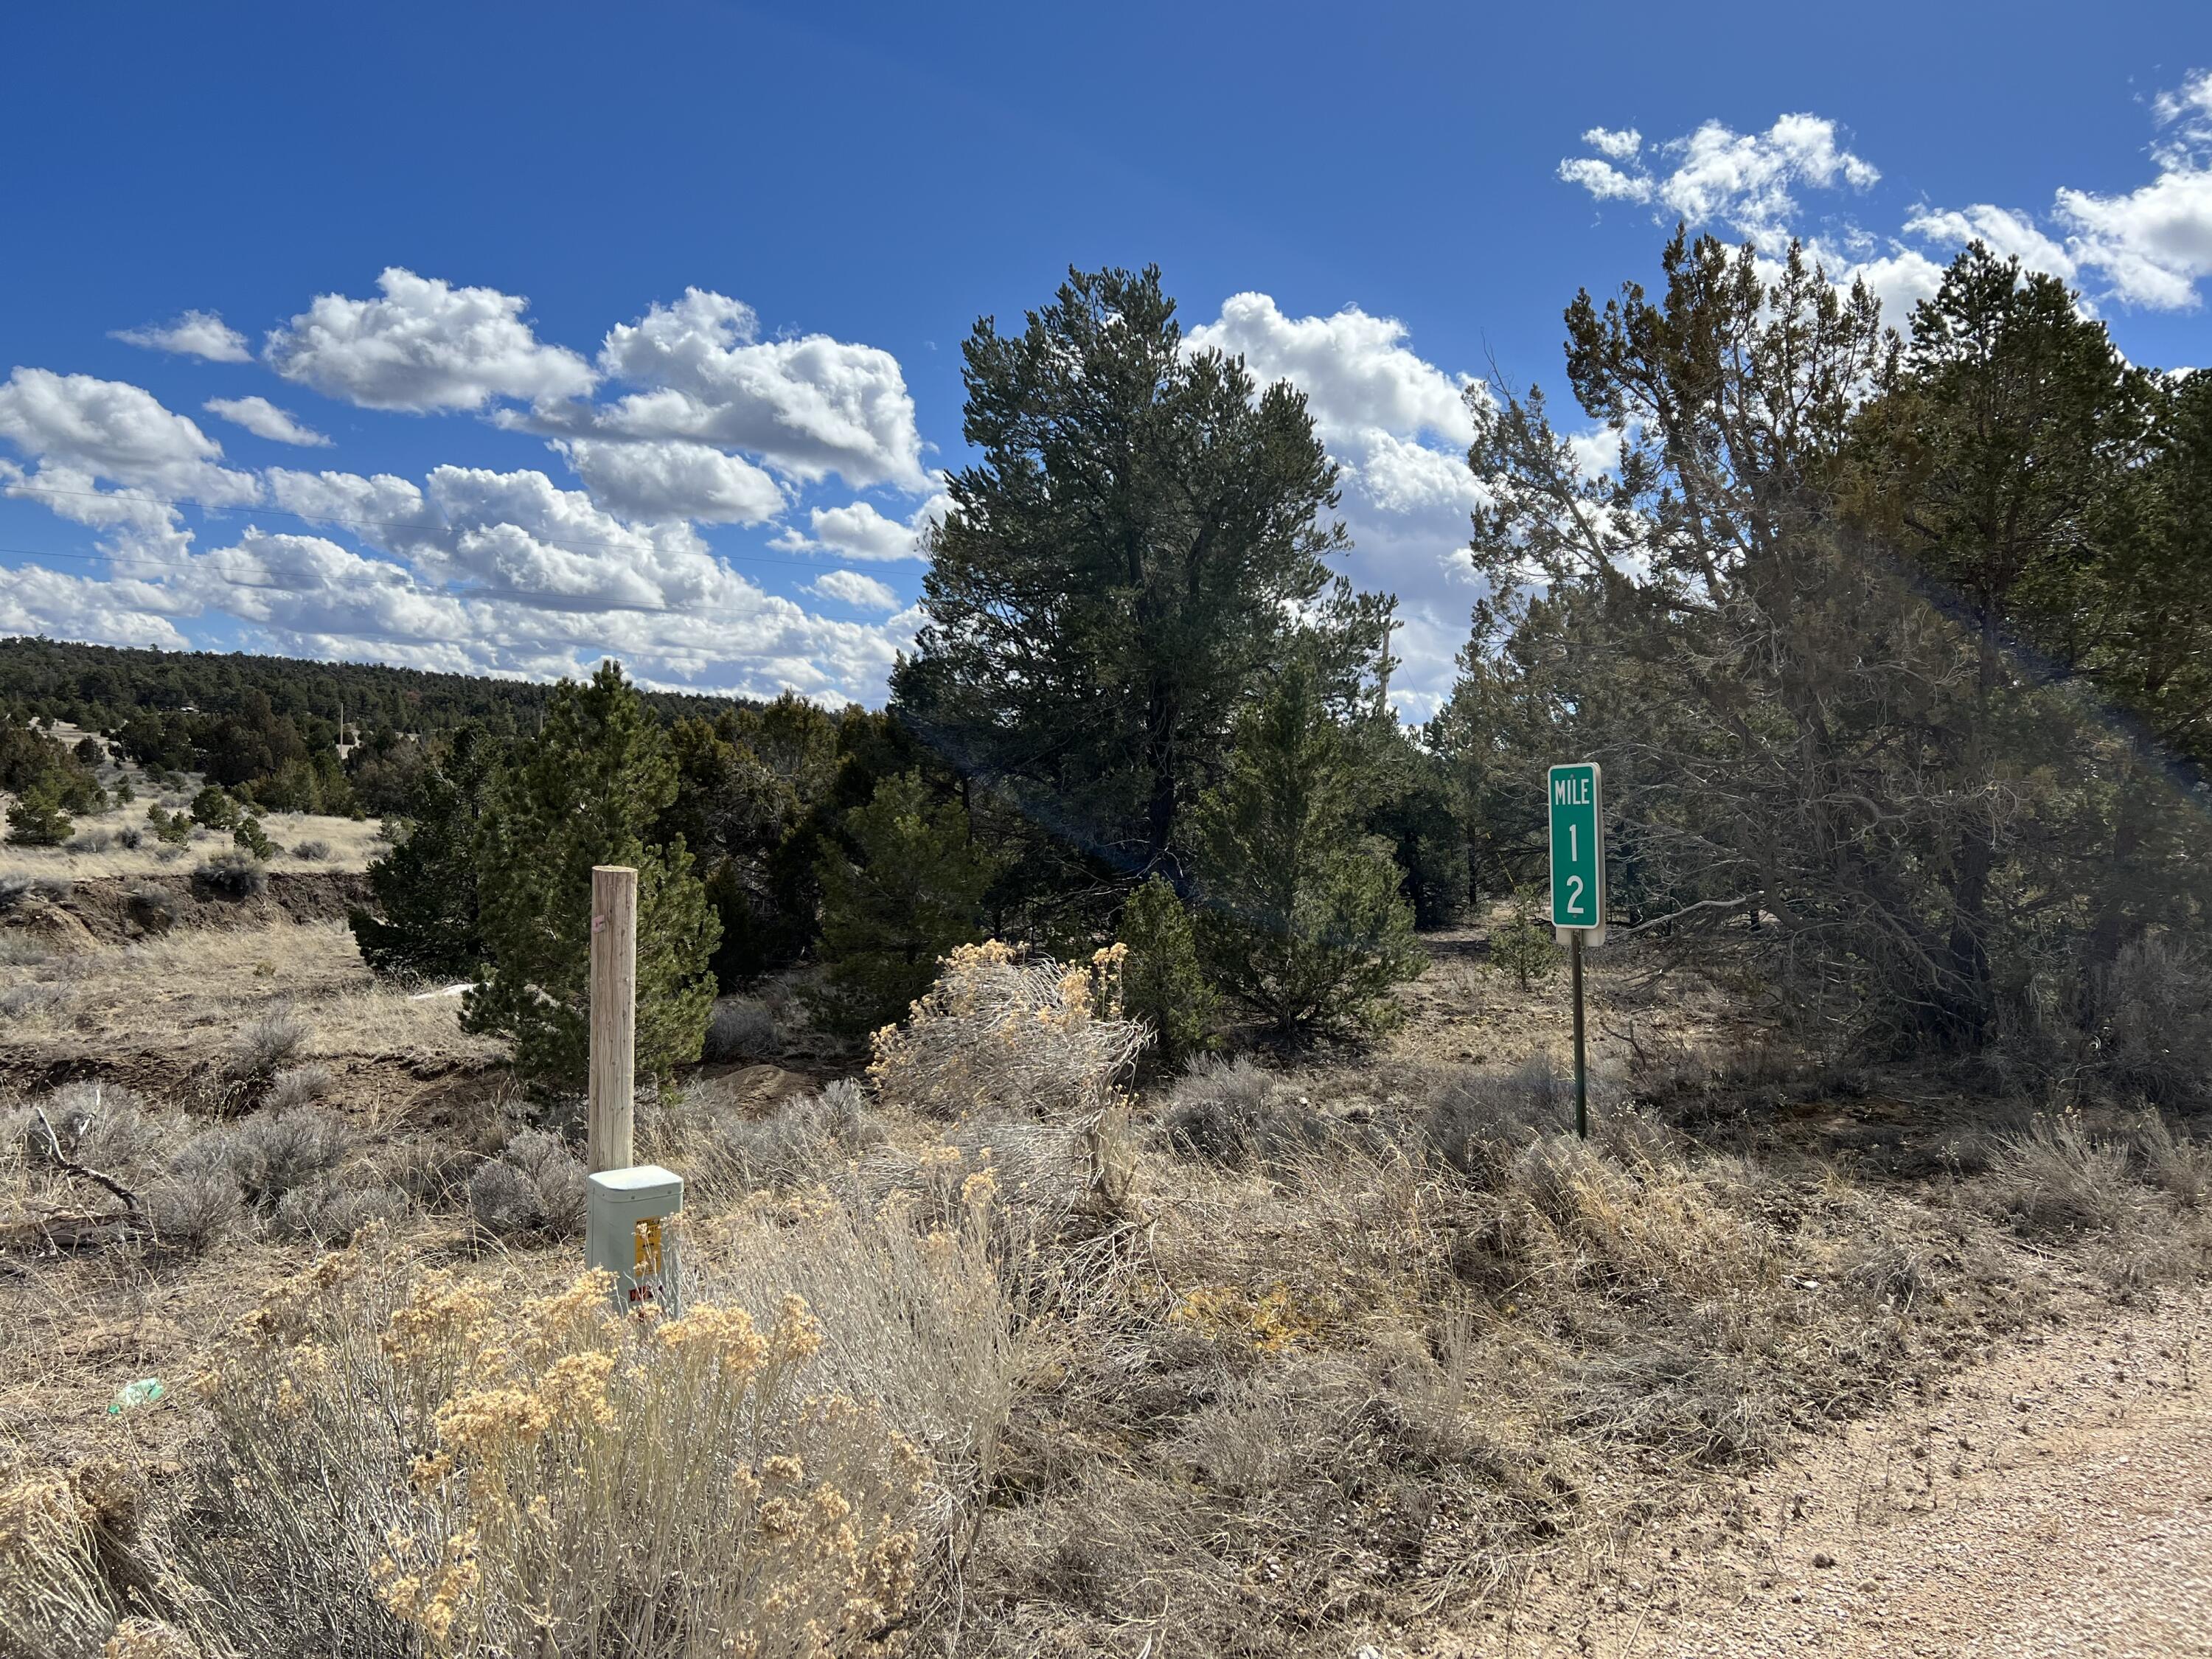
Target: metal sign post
1577,800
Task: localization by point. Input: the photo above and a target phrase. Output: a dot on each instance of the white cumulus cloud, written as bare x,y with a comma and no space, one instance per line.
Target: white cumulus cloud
2153,244
851,587
119,432
1398,427
34,600
81,434
671,478
1717,175
2150,246
264,420
195,334
859,531
1356,370
808,407
383,504
424,345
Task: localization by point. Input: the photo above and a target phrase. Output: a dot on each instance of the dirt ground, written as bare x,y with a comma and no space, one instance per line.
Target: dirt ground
2055,1500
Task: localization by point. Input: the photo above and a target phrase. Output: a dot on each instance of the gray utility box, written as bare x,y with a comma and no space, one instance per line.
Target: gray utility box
626,1213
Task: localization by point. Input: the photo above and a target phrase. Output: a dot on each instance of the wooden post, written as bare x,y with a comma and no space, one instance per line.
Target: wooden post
614,1015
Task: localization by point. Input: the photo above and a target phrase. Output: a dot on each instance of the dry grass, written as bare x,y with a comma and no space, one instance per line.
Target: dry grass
349,845
1279,1362
1355,1381
797,1142
187,995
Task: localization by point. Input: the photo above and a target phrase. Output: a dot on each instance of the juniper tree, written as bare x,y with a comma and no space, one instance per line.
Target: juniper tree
1819,620
1991,458
584,791
36,818
1162,982
902,883
422,918
1300,918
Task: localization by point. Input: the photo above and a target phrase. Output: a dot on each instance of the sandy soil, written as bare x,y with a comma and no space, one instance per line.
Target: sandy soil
2056,1500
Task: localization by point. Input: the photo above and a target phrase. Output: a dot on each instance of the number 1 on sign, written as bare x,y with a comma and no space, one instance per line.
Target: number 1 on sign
1574,843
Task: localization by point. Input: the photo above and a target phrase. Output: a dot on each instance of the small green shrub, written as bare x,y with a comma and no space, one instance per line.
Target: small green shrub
1302,920
1525,946
37,819
213,809
1162,983
904,886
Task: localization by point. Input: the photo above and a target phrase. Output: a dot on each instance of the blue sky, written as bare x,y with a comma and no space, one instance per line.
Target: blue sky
634,329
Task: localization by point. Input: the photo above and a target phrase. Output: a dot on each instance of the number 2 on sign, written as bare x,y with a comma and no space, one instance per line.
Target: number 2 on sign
1574,890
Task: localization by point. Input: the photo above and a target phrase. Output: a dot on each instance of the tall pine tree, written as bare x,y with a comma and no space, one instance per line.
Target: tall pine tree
1139,544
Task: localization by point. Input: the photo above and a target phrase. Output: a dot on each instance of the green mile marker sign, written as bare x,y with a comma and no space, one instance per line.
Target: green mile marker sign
1577,803
1577,847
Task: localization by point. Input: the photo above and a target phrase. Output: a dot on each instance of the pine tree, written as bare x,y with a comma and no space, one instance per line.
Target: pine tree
249,837
1135,549
1162,981
214,809
37,819
586,792
900,886
1302,920
1993,459
423,921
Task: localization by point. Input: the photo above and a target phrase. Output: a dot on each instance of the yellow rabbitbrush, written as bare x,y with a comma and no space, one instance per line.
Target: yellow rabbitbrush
545,1479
